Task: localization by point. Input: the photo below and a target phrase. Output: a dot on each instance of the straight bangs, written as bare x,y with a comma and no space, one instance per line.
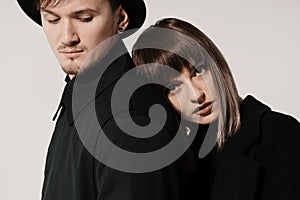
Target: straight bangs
158,65
163,58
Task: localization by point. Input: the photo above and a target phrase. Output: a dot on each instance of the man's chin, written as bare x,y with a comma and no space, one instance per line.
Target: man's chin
71,68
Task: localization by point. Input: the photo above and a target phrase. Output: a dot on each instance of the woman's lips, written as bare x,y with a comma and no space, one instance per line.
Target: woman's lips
205,109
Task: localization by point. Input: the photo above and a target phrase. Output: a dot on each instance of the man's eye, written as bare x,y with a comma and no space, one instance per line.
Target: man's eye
53,21
85,19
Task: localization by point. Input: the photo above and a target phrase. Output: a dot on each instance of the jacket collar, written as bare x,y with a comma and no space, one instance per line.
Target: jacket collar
61,102
90,78
237,173
252,112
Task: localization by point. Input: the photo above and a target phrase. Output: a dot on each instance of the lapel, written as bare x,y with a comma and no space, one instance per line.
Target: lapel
86,87
237,171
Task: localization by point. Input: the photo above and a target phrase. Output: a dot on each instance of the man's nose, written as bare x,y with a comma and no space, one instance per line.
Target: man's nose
70,36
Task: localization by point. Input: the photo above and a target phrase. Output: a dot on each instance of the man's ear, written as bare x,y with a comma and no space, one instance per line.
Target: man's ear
123,20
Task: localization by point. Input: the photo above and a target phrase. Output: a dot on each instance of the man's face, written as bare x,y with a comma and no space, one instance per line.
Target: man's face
75,27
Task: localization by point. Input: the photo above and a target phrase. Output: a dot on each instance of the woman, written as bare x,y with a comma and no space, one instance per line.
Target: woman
257,154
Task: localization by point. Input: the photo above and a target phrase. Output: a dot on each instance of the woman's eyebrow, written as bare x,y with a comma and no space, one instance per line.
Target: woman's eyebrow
173,80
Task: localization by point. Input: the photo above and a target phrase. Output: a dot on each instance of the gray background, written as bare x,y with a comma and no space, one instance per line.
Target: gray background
260,40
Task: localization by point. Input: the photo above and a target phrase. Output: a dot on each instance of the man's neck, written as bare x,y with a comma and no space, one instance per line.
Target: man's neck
71,76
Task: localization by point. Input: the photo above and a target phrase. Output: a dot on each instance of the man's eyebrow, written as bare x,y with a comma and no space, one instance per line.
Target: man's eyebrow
47,11
87,10
78,12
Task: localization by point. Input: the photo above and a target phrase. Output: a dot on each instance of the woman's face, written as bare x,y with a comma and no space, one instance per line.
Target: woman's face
193,94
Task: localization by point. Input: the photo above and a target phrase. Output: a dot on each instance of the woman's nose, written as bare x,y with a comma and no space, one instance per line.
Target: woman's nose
197,94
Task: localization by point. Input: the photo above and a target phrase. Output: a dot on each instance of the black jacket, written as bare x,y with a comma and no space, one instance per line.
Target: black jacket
73,173
262,160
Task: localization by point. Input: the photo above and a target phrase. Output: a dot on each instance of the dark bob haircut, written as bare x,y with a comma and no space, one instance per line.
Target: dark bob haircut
178,44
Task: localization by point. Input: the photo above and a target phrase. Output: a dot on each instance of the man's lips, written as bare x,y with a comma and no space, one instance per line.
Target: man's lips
204,109
71,52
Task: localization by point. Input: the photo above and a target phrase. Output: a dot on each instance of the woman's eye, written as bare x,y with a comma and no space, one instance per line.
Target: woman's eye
86,19
199,71
173,88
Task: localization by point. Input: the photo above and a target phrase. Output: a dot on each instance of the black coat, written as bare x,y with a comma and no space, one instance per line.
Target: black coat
262,161
72,173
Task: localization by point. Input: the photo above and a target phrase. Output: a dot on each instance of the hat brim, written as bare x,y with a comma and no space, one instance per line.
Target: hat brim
136,10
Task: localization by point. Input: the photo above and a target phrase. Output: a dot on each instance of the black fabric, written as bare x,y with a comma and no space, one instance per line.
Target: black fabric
199,173
72,172
261,161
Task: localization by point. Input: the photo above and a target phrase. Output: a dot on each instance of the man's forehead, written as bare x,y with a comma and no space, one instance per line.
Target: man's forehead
51,3
54,3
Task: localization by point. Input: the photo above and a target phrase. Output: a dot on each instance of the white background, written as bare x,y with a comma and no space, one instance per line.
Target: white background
260,40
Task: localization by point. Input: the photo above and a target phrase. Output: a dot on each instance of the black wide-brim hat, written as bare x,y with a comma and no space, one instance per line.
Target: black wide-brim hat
136,10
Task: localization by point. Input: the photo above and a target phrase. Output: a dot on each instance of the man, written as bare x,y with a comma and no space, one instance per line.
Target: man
74,28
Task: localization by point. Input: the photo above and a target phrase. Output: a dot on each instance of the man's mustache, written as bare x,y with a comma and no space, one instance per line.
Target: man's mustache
64,48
